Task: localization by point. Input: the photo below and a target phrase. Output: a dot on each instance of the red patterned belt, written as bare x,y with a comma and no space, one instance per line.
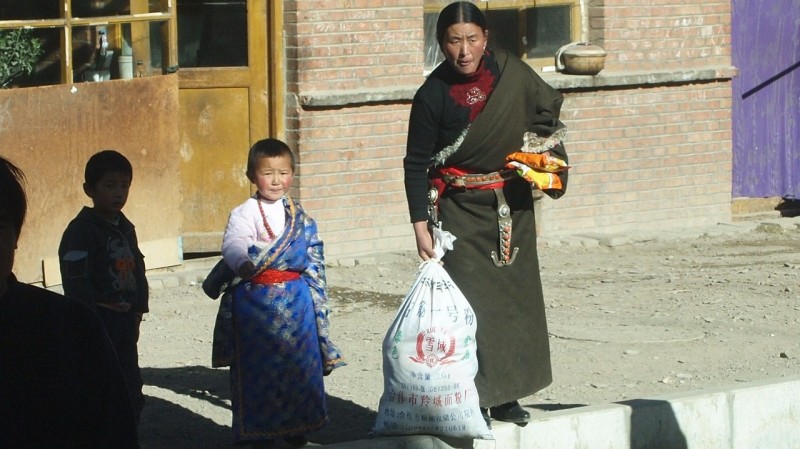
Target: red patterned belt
456,177
442,178
271,276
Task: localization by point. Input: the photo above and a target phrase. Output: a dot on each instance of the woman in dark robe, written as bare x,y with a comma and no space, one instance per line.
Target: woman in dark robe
474,109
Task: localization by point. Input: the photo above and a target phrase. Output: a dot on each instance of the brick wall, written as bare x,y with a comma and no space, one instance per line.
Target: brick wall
661,34
353,44
350,177
646,156
651,156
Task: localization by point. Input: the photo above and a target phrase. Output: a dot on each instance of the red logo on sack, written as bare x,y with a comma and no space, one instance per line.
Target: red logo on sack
435,346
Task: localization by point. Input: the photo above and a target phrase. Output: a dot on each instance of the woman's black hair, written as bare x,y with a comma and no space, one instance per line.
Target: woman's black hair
12,190
458,12
267,148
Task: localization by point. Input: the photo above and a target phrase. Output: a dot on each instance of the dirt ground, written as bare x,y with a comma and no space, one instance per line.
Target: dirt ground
629,316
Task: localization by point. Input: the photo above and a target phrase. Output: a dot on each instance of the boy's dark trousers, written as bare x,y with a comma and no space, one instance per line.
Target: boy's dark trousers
123,329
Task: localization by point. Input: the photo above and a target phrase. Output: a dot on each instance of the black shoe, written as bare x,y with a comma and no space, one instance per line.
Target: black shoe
296,441
485,414
510,412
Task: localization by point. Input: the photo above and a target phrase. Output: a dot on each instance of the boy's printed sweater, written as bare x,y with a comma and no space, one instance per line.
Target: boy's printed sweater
101,262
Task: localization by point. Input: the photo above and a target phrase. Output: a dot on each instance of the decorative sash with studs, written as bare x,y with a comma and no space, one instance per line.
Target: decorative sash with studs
452,177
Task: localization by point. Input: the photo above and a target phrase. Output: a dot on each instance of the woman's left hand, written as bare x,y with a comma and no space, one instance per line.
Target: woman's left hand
424,238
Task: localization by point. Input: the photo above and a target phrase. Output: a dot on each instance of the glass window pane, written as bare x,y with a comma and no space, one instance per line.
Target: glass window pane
95,53
106,52
99,8
212,33
29,9
86,52
156,6
155,45
504,31
47,68
433,54
547,29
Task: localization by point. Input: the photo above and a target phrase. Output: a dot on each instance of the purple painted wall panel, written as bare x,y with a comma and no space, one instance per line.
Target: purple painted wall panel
766,98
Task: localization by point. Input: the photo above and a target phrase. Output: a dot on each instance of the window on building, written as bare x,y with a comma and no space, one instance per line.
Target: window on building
531,29
211,33
94,40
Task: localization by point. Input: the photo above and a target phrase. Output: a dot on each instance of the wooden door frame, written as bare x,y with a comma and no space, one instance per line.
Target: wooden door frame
276,72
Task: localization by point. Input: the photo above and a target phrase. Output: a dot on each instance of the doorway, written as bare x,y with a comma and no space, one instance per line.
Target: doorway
224,92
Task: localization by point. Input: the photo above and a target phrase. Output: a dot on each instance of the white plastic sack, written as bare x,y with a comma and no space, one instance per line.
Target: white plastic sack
429,360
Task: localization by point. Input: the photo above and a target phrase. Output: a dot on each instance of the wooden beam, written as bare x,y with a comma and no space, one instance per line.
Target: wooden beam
258,63
169,37
277,72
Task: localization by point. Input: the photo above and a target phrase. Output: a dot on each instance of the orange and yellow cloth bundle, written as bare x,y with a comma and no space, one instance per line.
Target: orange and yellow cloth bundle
538,169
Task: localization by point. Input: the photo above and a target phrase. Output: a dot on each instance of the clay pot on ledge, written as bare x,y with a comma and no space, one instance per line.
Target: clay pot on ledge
580,58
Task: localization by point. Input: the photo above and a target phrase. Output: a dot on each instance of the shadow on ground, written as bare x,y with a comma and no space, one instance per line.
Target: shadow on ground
167,425
553,407
789,207
170,424
653,424
343,298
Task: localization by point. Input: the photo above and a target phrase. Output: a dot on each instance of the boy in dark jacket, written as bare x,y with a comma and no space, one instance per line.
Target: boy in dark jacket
102,266
60,383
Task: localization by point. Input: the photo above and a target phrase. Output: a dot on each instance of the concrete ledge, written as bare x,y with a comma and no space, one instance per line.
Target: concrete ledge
404,94
632,79
354,97
753,415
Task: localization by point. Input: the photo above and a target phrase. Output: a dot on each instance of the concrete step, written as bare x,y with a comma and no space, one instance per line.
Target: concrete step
757,415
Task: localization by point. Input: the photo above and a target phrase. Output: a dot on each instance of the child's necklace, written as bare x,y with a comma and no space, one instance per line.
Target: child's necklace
264,216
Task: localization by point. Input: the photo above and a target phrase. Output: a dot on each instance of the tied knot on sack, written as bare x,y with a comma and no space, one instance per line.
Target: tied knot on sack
442,242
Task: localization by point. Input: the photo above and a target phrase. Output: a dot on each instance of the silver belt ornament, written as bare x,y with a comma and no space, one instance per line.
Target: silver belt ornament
505,256
433,206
